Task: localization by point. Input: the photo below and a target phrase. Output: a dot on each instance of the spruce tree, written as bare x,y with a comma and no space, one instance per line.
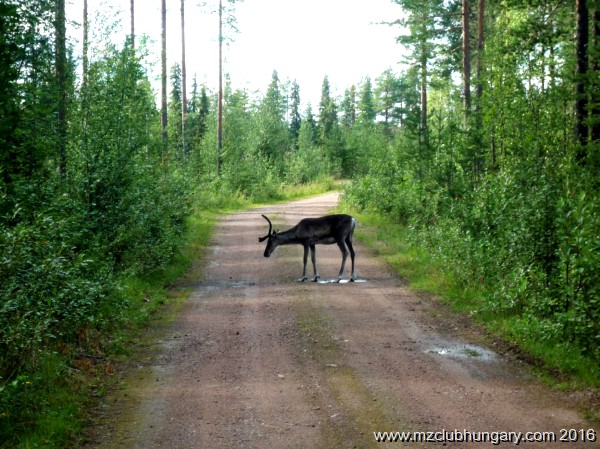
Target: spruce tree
327,112
366,103
349,108
295,119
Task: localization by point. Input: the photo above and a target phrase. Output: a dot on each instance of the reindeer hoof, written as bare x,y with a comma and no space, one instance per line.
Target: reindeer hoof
302,279
316,279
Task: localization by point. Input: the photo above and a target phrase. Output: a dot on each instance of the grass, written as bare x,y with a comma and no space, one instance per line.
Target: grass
414,264
560,365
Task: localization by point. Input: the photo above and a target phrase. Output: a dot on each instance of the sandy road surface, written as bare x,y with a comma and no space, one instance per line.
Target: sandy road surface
257,360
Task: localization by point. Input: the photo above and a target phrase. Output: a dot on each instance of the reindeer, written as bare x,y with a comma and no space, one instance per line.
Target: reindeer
316,231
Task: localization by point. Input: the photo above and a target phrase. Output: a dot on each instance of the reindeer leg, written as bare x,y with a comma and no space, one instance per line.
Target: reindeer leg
313,258
344,251
304,277
349,243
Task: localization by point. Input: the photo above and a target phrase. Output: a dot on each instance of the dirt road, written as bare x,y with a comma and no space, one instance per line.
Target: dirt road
257,360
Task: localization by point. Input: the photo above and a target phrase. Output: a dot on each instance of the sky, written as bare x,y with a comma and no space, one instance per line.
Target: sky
303,40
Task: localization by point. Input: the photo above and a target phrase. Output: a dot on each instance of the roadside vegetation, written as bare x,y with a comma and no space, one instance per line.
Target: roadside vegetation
499,190
106,198
561,366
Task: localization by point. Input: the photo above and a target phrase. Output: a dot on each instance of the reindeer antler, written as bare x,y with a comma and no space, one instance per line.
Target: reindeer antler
262,239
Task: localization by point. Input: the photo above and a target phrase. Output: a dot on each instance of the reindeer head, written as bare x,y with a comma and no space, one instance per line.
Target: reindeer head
273,241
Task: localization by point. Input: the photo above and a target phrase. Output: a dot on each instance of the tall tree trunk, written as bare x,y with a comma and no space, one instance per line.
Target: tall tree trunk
424,98
85,43
479,90
164,77
466,44
595,66
423,131
184,110
581,101
480,40
61,82
132,16
220,105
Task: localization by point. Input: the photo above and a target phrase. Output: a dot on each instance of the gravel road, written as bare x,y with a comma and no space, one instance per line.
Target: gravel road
258,360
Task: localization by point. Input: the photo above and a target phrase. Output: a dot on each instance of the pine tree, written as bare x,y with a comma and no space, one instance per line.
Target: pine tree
389,99
423,24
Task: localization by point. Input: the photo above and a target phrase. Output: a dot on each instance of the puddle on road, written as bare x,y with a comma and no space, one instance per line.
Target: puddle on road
463,351
342,281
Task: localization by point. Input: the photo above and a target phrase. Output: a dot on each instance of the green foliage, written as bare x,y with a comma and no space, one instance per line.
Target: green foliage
67,242
502,199
366,103
51,288
41,400
27,91
306,165
295,119
500,202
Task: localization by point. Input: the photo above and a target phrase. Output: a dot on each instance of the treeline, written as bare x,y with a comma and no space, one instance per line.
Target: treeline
494,167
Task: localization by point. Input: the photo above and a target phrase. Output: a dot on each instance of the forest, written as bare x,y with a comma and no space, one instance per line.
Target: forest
485,150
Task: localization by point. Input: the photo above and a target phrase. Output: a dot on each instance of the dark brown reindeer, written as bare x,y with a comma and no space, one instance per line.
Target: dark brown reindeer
316,231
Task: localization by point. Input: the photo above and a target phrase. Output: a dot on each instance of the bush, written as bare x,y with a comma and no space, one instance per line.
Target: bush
306,165
50,289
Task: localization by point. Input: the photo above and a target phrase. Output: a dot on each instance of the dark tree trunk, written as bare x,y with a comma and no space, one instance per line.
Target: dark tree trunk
132,16
595,66
423,124
581,101
184,110
466,44
164,77
61,82
85,42
480,40
423,131
220,105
